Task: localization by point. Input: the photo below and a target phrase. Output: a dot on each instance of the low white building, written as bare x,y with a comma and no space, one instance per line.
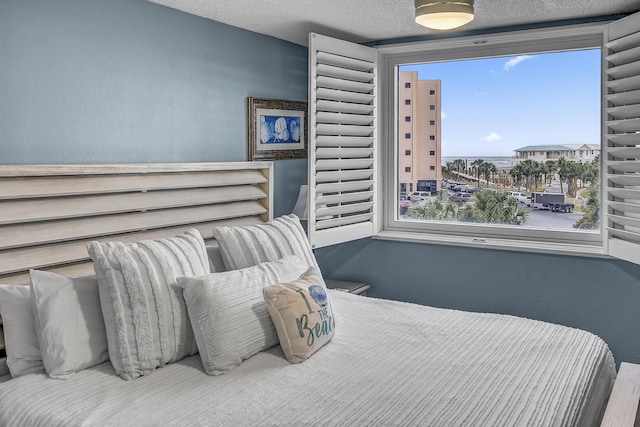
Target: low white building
573,152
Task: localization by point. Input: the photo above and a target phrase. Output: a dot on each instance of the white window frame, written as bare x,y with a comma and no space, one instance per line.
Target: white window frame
462,234
352,179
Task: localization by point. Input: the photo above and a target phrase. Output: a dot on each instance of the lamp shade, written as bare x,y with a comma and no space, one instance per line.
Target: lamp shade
444,15
301,208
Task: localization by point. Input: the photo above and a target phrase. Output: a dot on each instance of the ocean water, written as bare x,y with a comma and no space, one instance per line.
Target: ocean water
499,161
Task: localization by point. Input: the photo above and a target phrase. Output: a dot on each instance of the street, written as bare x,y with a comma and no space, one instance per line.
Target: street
544,218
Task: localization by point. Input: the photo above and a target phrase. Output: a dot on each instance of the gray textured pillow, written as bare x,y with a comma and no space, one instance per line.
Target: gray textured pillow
245,246
144,311
69,323
23,353
229,314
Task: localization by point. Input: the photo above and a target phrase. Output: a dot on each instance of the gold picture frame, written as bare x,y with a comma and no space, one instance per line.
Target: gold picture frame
277,129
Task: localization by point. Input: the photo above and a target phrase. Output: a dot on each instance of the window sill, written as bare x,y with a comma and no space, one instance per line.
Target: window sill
495,243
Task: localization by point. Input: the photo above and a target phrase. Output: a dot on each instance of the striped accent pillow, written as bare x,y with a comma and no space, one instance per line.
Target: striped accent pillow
229,314
246,246
144,311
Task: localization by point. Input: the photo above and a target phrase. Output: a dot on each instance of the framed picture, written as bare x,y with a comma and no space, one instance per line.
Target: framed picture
277,129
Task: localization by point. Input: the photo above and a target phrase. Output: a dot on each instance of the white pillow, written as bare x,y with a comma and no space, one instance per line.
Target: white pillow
245,246
144,312
21,342
69,323
229,314
216,263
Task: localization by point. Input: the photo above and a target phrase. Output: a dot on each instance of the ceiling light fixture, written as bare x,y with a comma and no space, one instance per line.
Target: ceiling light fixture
444,15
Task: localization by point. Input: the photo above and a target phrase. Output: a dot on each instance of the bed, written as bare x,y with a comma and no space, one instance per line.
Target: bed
386,362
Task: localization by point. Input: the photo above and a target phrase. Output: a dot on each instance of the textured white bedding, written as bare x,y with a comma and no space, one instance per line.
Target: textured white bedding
389,363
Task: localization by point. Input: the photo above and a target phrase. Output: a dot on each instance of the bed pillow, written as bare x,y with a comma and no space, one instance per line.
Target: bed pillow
229,315
245,246
216,263
21,342
68,322
302,314
144,312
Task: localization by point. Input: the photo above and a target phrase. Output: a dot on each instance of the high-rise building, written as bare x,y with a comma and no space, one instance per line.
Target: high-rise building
419,118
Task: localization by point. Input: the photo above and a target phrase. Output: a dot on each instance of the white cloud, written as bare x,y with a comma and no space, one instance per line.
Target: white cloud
515,61
443,115
492,137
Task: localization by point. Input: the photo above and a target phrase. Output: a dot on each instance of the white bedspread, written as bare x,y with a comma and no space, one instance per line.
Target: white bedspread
389,363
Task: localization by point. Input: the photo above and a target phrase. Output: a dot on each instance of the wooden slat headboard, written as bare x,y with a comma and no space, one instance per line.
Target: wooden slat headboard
48,213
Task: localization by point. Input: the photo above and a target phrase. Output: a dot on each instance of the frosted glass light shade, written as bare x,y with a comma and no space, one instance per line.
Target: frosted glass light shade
301,208
443,15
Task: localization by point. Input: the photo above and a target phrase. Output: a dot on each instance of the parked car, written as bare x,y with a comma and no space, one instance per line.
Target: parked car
461,197
418,196
521,197
404,206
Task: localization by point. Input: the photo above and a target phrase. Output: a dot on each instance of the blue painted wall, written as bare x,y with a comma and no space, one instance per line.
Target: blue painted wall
111,81
598,295
102,81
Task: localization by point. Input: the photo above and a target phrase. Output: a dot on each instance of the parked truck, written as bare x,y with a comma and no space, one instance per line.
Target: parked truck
552,201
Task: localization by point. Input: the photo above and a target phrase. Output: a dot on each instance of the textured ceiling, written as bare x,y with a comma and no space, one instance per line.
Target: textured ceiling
370,20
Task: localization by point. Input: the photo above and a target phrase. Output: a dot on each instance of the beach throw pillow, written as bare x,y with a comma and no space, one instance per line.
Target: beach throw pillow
68,322
229,315
144,311
302,314
21,341
245,246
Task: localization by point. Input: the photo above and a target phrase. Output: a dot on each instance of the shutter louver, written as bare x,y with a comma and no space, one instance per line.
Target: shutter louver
342,138
622,139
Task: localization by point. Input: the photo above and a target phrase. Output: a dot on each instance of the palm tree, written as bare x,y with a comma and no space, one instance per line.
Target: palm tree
477,165
494,207
531,168
549,169
433,209
517,172
591,216
563,166
571,172
488,170
459,165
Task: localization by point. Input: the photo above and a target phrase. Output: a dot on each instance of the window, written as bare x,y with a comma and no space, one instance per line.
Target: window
432,122
407,152
355,214
407,169
500,73
407,102
407,85
407,135
432,92
428,185
407,118
486,162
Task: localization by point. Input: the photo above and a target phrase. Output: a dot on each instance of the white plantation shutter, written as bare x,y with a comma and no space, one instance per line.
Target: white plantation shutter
622,139
342,140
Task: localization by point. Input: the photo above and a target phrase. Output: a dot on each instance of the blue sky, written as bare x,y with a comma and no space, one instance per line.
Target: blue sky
492,106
